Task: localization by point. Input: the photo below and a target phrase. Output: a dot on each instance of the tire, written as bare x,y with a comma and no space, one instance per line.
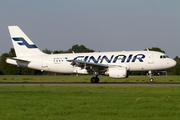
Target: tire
94,80
97,79
151,80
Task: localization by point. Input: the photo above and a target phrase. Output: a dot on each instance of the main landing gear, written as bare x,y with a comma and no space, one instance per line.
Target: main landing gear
95,78
150,75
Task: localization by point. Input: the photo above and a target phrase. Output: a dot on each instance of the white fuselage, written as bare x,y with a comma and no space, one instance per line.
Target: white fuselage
132,60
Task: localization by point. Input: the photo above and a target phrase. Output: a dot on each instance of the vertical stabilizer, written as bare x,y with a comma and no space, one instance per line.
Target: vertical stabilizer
22,44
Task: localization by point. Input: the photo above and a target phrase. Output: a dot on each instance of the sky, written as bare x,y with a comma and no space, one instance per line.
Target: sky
101,25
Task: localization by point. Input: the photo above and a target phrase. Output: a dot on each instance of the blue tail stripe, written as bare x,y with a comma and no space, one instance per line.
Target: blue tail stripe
23,42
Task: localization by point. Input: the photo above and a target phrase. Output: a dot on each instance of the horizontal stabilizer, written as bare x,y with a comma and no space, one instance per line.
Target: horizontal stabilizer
20,59
18,62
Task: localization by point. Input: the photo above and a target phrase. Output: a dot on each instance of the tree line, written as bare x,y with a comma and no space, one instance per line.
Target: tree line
8,69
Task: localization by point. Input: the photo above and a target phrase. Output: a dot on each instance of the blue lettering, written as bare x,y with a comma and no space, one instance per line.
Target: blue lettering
129,58
139,57
95,61
85,59
122,58
76,58
107,60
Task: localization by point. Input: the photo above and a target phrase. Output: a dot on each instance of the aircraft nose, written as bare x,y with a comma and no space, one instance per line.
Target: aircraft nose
173,63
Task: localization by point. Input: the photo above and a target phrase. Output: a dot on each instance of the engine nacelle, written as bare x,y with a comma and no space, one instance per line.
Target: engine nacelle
80,71
117,72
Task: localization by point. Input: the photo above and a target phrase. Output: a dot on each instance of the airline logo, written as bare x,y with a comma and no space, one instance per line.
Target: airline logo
21,41
112,59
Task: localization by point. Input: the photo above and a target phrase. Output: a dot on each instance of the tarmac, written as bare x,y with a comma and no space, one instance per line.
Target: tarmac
89,84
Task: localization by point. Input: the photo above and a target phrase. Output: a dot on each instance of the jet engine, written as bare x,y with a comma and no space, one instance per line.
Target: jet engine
117,72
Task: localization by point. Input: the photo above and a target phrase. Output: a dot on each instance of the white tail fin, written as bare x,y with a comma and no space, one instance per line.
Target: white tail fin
22,44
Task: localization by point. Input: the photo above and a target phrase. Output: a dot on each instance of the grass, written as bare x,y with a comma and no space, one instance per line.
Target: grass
90,103
83,78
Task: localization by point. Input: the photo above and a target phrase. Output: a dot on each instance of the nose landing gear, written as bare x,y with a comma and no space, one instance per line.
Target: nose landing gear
150,75
151,80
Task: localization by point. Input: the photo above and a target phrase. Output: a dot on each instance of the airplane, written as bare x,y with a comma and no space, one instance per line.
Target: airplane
113,64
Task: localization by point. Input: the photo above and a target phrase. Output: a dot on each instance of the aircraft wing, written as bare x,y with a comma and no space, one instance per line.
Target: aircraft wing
92,67
90,64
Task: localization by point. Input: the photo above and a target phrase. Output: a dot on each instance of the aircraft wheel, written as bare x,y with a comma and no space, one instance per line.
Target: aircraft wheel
151,80
94,80
97,79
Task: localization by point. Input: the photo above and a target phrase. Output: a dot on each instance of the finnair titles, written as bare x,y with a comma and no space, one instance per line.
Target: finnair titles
112,59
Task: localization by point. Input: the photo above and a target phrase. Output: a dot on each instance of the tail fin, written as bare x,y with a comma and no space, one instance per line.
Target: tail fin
22,44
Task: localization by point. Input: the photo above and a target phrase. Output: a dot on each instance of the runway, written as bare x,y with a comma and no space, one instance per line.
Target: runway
90,84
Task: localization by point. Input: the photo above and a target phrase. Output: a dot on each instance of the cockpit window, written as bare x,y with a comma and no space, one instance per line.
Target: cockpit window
164,56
